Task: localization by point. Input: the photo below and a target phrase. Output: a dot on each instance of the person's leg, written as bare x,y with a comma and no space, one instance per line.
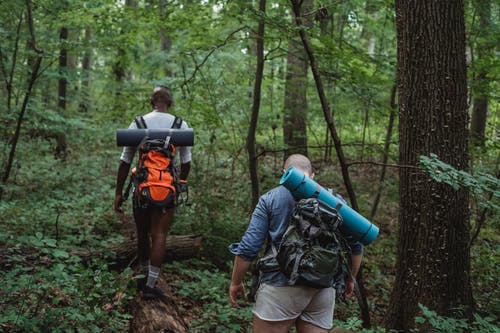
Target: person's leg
264,326
317,316
160,226
306,327
276,308
142,223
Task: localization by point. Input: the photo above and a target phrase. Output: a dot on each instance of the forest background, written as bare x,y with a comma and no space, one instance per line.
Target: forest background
72,72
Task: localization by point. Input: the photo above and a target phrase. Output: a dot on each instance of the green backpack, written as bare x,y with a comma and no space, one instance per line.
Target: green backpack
311,250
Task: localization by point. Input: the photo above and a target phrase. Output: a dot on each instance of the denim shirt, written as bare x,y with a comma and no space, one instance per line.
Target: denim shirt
269,221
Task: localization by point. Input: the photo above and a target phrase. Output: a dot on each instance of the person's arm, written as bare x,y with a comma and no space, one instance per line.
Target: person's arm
248,249
241,266
354,269
123,170
357,250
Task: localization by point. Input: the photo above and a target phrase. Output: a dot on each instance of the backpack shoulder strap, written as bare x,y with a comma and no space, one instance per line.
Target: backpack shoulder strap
140,122
177,122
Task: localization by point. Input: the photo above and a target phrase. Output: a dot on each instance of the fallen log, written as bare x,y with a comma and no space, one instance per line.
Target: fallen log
157,315
151,315
177,248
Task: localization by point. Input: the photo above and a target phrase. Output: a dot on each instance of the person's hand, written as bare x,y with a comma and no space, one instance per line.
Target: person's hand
234,290
349,289
118,203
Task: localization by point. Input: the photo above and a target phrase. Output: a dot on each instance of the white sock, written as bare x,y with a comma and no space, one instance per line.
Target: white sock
153,274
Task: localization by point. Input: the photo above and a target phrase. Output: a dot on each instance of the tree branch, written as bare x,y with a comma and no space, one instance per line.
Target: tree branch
216,47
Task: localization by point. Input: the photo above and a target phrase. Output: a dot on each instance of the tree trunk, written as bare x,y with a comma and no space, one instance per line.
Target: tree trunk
480,85
295,106
158,315
165,40
61,144
177,248
324,104
259,72
31,81
338,147
63,67
433,261
367,37
387,146
84,105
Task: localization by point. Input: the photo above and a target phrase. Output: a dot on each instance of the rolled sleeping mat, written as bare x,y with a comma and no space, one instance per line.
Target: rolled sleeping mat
133,137
303,187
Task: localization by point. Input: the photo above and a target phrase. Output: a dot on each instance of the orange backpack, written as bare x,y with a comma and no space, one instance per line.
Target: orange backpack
155,178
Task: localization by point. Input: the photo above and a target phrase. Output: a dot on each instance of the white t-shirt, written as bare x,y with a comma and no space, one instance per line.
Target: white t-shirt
158,120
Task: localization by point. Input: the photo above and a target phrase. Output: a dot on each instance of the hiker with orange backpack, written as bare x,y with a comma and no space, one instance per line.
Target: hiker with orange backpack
156,186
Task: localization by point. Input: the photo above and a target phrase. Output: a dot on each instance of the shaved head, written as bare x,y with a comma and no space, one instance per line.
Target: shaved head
300,162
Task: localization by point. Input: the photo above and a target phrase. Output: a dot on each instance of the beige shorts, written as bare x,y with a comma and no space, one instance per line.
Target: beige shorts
290,302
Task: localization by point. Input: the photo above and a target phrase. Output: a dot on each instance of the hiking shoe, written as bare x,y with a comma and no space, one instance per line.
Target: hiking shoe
140,281
152,293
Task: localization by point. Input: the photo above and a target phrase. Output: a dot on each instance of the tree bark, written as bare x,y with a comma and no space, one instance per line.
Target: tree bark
259,73
295,106
433,260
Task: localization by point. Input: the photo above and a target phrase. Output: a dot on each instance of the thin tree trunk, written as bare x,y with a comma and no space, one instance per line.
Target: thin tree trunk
34,73
433,260
63,67
480,85
340,154
367,37
62,89
295,106
252,155
9,77
324,104
165,40
387,146
84,105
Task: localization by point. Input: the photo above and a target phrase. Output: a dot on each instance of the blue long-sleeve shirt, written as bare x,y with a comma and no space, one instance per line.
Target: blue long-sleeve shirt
269,221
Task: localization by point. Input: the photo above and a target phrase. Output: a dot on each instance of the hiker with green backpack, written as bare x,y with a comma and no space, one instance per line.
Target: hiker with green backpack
157,184
303,268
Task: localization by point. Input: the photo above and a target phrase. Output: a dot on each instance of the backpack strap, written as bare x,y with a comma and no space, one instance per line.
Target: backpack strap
140,122
177,123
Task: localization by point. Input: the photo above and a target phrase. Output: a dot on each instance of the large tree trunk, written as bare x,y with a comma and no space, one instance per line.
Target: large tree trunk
259,73
295,106
433,263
